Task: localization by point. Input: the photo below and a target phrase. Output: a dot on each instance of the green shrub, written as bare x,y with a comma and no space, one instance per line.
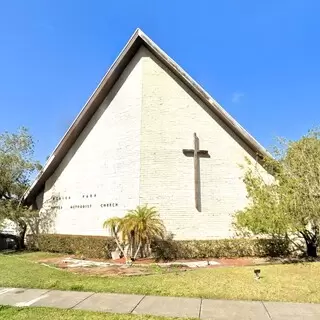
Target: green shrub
225,248
88,246
101,247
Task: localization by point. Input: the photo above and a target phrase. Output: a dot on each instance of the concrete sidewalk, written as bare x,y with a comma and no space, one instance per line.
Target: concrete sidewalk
160,306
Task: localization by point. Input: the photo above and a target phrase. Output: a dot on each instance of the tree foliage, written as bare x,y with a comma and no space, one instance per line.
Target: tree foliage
17,166
134,232
290,206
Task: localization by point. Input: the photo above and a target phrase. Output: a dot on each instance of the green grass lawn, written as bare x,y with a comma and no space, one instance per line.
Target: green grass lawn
13,313
292,282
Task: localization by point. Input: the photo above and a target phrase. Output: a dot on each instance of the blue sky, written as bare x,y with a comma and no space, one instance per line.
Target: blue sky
259,59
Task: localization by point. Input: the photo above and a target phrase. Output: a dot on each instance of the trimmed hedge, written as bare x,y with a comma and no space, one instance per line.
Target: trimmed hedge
101,247
224,248
88,246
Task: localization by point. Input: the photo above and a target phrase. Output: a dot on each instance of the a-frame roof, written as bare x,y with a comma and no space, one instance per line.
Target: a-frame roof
138,38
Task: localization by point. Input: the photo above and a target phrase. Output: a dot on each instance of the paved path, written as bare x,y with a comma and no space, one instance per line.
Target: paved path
161,306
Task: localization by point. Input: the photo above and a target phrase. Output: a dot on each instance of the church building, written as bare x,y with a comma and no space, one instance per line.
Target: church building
149,134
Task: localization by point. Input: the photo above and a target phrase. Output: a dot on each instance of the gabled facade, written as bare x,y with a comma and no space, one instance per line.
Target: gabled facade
125,148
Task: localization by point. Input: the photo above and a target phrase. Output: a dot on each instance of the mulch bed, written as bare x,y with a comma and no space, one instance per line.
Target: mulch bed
142,266
223,262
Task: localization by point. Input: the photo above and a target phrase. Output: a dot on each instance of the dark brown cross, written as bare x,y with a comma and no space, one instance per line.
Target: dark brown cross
196,153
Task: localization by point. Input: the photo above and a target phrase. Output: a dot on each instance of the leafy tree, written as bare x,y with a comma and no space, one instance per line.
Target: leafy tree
290,206
136,230
16,169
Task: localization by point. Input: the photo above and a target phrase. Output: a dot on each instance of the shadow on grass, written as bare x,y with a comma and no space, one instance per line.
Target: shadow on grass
292,260
3,308
16,252
12,252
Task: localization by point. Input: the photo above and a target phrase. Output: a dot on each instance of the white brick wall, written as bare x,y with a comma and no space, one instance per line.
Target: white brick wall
104,162
170,116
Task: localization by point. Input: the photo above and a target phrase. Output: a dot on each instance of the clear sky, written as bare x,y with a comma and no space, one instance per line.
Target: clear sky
259,59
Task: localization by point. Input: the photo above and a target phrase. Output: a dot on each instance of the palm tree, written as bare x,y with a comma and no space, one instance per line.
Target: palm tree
136,230
144,224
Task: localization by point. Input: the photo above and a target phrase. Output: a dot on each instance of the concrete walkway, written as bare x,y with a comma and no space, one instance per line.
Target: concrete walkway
159,306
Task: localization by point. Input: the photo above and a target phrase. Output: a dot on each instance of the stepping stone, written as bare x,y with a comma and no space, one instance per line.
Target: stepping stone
232,310
169,307
62,299
293,311
105,302
20,297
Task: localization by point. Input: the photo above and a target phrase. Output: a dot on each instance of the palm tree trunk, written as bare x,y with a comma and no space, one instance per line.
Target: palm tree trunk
138,249
311,243
22,233
119,246
147,249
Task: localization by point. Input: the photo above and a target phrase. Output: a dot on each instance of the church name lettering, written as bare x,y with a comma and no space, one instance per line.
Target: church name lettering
61,198
81,206
58,198
57,207
103,205
87,206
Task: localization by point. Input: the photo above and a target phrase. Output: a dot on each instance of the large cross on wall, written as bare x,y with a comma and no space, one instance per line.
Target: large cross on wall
196,153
